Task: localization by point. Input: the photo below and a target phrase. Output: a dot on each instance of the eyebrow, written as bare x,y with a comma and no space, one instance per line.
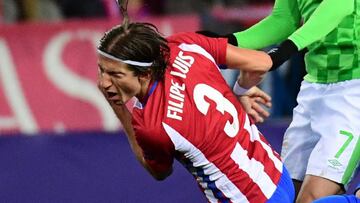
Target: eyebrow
110,71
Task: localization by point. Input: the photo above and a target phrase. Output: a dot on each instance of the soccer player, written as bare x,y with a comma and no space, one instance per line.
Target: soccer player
186,111
321,146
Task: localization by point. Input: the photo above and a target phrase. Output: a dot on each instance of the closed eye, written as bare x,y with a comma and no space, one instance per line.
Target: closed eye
113,73
116,74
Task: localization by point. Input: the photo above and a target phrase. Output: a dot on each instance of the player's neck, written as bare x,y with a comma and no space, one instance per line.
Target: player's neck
146,90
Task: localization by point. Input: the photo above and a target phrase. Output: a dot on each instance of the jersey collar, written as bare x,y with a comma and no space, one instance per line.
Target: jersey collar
152,85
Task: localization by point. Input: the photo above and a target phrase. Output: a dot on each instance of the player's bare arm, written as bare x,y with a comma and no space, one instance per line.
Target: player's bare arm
253,66
124,115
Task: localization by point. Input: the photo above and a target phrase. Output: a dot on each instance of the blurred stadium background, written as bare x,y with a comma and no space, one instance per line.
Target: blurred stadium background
59,140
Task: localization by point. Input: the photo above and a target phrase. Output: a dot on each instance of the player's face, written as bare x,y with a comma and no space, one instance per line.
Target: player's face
117,81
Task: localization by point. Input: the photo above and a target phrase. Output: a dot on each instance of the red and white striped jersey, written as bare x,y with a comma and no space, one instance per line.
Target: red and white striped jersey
193,116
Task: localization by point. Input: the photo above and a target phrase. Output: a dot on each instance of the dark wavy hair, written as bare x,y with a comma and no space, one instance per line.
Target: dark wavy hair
138,42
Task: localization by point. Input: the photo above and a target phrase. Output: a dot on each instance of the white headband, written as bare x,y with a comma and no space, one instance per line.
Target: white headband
135,63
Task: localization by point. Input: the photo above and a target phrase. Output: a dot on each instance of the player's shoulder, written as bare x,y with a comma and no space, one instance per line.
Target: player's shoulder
184,37
149,115
146,123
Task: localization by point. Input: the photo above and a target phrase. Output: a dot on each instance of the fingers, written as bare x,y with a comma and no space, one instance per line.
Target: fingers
255,116
260,110
261,100
248,105
254,107
256,92
258,113
264,96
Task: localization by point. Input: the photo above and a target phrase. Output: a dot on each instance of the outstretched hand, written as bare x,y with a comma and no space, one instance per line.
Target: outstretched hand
254,102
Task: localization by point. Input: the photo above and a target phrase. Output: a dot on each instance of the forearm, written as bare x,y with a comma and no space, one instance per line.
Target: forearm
125,118
323,20
279,25
247,59
247,79
330,11
252,64
140,157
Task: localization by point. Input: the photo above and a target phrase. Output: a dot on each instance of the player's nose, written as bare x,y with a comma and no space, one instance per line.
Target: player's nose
105,81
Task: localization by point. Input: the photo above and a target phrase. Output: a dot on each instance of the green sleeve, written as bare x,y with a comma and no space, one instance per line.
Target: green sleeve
322,21
278,26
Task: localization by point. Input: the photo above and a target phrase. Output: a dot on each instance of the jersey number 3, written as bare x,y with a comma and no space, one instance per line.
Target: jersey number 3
222,105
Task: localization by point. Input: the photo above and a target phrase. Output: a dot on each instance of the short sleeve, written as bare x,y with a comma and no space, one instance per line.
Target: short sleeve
216,47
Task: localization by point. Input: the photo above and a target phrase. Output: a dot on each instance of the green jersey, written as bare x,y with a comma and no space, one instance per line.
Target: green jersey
330,31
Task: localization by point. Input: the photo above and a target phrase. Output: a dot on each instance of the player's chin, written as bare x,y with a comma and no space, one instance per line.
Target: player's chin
118,102
122,101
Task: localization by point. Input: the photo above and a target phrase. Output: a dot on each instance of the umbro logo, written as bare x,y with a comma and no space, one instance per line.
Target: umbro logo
335,163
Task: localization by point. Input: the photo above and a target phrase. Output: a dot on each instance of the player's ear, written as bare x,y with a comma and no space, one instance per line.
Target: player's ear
145,76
